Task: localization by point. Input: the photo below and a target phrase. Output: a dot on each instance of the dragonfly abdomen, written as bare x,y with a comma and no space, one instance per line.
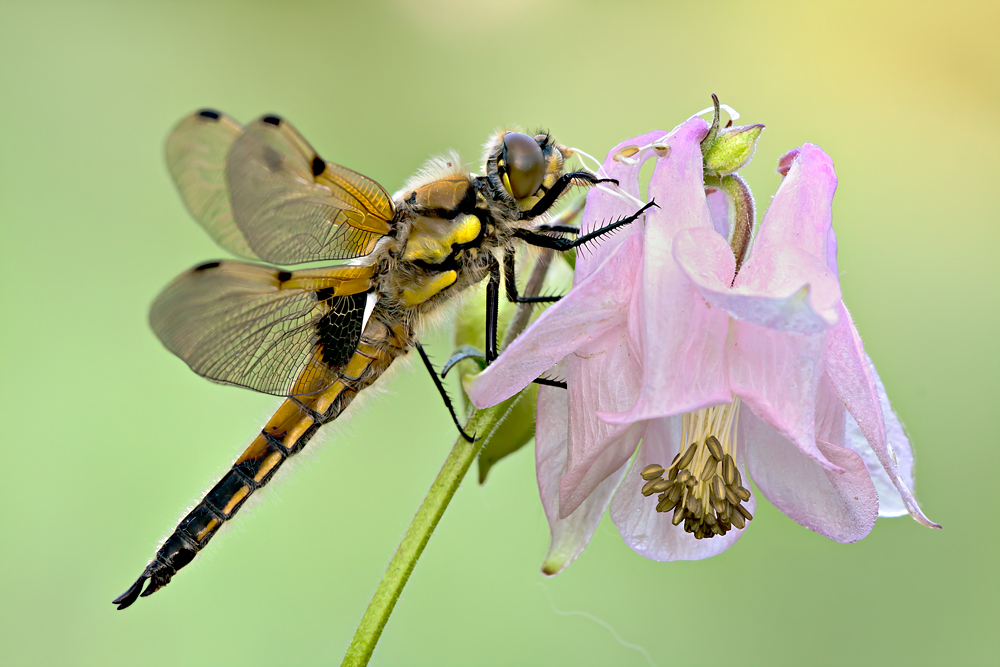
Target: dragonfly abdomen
284,435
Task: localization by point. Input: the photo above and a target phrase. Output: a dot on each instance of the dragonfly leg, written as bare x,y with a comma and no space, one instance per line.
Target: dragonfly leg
443,392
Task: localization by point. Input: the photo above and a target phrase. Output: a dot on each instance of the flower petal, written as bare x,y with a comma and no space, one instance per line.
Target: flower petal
647,532
801,213
589,309
842,506
708,262
569,535
585,476
795,245
602,374
681,338
777,375
860,389
604,207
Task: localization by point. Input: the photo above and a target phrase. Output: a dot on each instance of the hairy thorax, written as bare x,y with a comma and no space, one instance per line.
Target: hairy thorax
446,231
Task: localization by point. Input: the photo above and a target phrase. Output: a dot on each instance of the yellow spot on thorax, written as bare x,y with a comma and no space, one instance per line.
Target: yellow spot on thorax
433,240
430,287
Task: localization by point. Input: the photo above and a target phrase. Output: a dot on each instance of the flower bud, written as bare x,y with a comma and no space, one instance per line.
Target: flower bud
732,149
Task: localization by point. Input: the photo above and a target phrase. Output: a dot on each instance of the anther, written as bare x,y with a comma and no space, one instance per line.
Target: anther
744,512
652,471
678,516
675,492
715,447
708,472
655,486
743,493
718,488
688,457
666,505
738,521
624,153
729,470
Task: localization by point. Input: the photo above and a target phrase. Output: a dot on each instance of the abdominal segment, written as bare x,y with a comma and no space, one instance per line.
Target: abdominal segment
284,435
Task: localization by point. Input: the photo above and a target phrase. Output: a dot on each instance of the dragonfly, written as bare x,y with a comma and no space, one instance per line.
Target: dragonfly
318,336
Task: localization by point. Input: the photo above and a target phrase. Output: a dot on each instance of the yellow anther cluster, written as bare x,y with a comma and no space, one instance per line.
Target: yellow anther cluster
702,485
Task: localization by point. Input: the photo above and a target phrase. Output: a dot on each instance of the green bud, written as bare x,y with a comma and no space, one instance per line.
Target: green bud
511,429
732,148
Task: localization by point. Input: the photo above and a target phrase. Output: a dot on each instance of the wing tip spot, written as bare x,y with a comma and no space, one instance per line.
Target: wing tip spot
210,114
205,267
272,120
284,275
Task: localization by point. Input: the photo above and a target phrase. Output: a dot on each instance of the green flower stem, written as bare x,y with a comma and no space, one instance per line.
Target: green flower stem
483,422
396,575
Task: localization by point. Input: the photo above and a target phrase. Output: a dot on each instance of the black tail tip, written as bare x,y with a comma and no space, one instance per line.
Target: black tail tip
132,594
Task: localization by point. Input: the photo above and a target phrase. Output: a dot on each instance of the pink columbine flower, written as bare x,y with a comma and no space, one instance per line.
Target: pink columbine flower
721,374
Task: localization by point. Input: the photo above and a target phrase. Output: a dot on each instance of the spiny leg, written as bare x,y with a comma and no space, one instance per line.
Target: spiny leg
444,394
510,283
492,310
553,194
555,243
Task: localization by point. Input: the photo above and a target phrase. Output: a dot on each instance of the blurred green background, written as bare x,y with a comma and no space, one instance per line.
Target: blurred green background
107,437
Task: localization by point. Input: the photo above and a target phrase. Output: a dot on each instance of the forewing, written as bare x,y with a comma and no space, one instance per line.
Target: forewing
278,332
294,207
197,149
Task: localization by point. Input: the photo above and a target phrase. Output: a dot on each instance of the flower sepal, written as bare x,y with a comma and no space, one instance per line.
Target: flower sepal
728,149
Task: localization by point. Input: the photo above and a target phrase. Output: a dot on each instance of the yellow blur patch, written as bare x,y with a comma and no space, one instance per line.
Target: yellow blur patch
412,297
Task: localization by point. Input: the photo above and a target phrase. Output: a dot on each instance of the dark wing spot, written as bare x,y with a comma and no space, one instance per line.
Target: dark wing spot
205,267
284,275
339,331
272,120
272,158
319,166
209,113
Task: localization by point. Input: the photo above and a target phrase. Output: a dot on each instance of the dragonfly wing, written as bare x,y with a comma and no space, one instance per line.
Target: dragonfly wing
197,150
293,207
278,332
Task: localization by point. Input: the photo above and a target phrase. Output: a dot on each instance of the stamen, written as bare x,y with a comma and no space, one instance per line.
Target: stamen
702,485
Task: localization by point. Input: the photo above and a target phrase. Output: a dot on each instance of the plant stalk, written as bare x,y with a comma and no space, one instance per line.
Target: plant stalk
396,575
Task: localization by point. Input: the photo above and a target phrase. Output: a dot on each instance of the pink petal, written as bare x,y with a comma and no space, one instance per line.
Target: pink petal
860,389
585,476
795,245
569,535
681,338
589,309
603,207
718,206
777,375
602,374
707,260
842,506
801,214
648,532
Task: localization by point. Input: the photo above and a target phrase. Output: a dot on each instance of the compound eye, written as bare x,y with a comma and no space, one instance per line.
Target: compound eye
524,163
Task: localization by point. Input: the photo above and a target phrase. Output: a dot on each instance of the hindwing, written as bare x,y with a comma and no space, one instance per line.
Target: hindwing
279,332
